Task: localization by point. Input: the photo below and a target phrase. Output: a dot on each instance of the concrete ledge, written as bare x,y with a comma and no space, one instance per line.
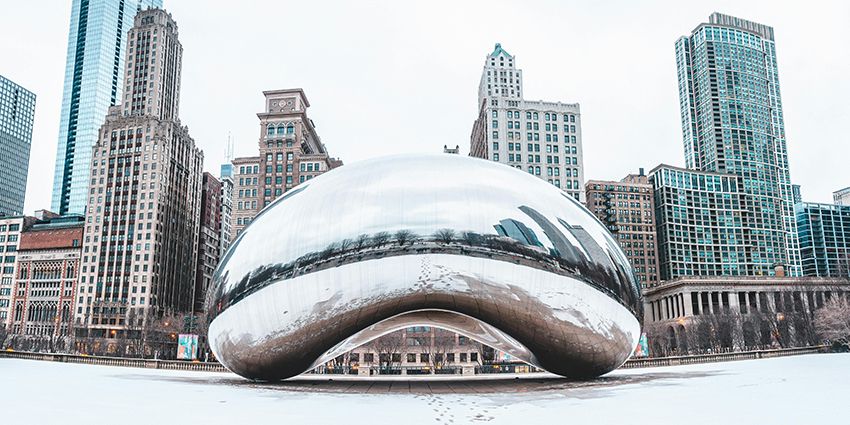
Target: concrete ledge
467,372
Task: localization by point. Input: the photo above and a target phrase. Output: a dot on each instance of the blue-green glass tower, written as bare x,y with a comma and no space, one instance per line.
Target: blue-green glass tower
732,123
17,106
94,79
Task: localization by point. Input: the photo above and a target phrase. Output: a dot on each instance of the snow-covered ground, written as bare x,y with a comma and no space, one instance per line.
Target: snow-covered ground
787,390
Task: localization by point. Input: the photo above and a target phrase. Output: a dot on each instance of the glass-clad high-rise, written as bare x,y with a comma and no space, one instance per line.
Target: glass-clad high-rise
732,123
94,80
17,106
824,231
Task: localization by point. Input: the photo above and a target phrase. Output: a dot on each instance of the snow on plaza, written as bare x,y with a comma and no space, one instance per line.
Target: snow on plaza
786,390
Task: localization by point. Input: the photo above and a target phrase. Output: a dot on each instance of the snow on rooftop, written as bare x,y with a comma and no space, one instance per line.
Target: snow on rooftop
800,389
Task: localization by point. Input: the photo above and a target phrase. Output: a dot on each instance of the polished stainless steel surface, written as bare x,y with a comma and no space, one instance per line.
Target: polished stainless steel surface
462,243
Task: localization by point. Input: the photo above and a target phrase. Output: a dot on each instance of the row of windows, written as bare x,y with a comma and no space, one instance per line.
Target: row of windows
550,159
515,125
548,116
535,147
531,137
280,129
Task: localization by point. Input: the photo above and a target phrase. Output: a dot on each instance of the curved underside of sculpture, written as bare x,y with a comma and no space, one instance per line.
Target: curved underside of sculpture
468,245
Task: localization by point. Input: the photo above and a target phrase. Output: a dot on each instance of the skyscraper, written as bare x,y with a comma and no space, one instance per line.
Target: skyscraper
732,123
142,222
209,238
700,220
94,80
17,107
226,210
542,138
824,231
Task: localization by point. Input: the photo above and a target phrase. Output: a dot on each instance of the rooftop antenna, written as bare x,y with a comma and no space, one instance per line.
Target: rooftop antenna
228,149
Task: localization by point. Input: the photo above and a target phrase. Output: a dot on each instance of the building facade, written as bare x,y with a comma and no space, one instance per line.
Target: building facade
226,212
290,152
841,197
627,208
17,108
46,280
541,138
418,350
700,314
10,239
824,233
246,193
94,81
701,225
732,122
142,223
209,242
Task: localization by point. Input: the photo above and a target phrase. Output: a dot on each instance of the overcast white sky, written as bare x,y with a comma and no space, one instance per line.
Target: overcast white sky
388,77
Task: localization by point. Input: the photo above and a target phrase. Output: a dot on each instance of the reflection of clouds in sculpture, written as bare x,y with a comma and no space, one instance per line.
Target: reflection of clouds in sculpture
372,242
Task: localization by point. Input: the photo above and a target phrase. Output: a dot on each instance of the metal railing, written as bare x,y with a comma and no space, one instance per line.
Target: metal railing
720,357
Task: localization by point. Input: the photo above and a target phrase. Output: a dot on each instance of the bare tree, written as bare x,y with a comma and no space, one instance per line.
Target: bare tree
659,340
328,251
4,333
345,244
436,346
380,239
361,241
832,321
389,349
445,236
700,334
404,236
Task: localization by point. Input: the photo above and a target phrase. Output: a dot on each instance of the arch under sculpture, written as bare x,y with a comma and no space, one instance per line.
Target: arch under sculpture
466,244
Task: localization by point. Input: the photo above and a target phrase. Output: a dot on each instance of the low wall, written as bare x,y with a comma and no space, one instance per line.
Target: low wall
217,367
720,357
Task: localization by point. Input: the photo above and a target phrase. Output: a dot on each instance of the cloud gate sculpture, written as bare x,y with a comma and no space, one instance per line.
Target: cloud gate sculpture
473,246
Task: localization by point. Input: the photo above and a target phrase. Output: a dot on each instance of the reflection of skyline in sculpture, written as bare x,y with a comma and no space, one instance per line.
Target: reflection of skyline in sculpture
522,268
563,247
517,230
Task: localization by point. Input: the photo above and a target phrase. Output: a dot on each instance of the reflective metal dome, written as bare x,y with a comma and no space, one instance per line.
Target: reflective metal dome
456,242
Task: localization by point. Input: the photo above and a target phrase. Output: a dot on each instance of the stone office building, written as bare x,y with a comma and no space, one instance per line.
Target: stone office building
541,138
142,216
698,313
627,208
209,244
290,153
